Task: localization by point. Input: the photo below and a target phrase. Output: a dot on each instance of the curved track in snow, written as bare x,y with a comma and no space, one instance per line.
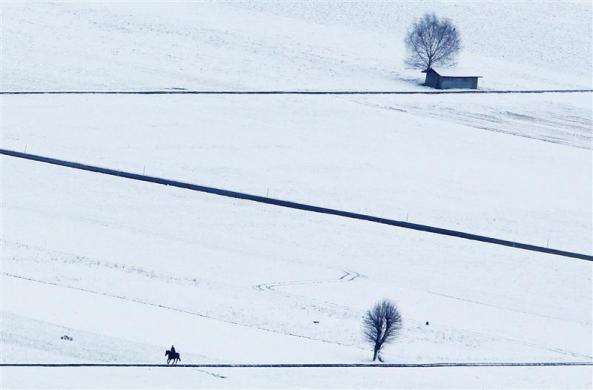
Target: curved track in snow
166,307
347,276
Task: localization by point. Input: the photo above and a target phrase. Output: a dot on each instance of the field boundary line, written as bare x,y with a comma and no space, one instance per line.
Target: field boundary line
292,92
296,206
305,365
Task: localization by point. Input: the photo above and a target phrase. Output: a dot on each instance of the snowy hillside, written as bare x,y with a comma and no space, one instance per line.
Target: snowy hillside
284,45
127,268
407,158
216,269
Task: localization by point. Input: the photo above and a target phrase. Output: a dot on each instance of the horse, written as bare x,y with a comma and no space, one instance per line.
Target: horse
172,356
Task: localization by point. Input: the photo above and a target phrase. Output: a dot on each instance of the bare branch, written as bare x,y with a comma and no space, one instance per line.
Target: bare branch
381,325
432,41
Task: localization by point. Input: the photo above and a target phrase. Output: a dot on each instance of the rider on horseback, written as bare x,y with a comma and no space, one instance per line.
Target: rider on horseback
172,355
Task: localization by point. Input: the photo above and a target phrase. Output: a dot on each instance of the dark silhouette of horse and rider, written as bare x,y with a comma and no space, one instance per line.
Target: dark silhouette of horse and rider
172,356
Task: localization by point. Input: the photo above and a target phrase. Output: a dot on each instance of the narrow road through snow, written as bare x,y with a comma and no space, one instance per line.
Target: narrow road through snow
295,205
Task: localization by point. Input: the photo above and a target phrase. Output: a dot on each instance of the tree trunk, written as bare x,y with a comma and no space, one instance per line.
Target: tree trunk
375,353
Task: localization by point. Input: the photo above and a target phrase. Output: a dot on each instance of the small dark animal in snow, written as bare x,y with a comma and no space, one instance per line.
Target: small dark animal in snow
426,322
172,356
66,337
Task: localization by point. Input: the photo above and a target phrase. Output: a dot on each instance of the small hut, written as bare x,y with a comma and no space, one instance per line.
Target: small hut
438,80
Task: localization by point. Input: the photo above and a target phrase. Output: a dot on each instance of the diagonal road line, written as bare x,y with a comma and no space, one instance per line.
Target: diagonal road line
295,205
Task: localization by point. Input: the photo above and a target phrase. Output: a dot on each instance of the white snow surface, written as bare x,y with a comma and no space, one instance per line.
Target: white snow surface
284,44
339,378
127,268
449,161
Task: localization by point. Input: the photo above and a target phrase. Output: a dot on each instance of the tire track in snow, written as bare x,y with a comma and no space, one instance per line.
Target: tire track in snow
348,276
208,373
139,301
67,258
531,344
515,340
166,307
564,132
329,308
505,308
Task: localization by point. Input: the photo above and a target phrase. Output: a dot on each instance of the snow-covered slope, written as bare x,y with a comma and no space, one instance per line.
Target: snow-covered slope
446,161
126,268
283,45
264,378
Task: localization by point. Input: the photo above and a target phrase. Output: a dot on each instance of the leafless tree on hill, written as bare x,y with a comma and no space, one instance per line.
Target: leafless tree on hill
432,41
381,325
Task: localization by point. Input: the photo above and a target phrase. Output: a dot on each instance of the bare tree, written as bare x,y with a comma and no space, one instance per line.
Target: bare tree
381,324
432,41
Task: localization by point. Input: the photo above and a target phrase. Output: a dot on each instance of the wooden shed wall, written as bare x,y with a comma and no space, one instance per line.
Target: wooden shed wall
447,82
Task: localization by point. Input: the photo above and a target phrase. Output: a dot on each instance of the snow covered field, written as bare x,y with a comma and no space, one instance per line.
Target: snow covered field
286,44
403,157
376,378
128,268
